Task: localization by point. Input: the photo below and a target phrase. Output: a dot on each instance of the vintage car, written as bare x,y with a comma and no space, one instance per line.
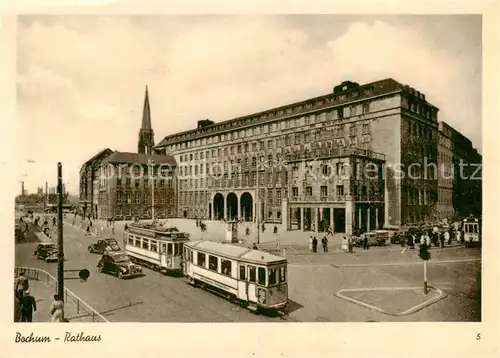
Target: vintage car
374,238
104,245
46,251
119,264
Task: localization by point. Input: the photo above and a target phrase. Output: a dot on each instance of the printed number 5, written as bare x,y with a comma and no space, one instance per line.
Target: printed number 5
478,337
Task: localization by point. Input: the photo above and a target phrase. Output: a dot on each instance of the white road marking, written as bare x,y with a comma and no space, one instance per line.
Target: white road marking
386,264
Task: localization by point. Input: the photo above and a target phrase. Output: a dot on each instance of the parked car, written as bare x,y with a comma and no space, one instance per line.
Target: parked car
101,246
375,238
46,251
119,264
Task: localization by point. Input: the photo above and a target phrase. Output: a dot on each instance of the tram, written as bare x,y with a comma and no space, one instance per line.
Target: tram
155,247
471,228
255,279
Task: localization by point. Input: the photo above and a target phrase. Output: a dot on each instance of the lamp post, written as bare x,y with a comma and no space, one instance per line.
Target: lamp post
60,266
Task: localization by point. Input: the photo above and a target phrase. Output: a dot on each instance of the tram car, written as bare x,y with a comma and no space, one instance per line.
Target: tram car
255,279
155,247
471,228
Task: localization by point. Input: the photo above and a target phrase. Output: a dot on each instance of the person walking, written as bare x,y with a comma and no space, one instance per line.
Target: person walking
324,242
22,285
349,244
441,240
28,306
447,237
365,243
57,310
315,244
310,243
459,238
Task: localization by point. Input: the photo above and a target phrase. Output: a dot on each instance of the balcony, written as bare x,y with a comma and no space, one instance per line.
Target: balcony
314,198
368,198
332,152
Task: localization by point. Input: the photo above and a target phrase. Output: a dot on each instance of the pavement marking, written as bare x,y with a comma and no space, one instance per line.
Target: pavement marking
382,264
441,295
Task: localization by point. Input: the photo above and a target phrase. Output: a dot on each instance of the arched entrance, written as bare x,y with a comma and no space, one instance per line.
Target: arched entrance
232,206
246,206
218,206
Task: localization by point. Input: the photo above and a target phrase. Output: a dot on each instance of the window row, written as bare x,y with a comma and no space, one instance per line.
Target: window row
153,245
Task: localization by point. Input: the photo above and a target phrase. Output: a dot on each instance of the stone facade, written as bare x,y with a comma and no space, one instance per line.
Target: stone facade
381,117
445,208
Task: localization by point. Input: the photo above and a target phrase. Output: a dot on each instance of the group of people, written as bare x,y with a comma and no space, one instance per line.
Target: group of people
313,243
25,303
433,237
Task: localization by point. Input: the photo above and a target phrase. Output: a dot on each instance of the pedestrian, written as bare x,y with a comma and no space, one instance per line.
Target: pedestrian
441,239
349,244
459,238
17,308
57,309
310,243
411,241
28,306
254,247
447,237
315,244
324,241
22,285
54,221
365,243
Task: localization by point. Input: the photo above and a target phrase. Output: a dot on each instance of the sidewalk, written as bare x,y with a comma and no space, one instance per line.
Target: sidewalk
44,294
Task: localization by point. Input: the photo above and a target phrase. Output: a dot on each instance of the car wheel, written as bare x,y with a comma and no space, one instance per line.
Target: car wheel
120,275
90,249
100,267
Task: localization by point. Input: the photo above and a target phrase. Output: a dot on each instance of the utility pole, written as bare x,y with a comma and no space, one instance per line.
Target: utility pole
46,197
60,267
153,191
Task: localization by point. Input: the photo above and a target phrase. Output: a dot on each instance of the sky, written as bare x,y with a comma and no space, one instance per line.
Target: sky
81,79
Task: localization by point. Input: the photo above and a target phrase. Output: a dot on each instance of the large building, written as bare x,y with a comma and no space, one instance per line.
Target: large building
444,207
124,185
382,123
89,184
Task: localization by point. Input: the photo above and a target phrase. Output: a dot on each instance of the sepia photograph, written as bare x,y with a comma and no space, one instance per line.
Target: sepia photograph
248,168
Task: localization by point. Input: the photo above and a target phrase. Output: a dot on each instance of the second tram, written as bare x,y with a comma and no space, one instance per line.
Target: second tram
471,228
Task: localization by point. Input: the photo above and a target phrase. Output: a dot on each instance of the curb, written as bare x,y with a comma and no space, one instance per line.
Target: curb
412,310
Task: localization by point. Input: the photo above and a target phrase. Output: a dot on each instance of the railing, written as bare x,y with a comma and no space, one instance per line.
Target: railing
43,276
332,152
313,198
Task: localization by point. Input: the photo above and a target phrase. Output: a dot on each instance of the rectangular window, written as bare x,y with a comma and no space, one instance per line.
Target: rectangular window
200,259
169,249
138,242
225,266
272,276
145,244
130,240
154,246
176,249
324,190
282,274
213,263
251,273
262,276
243,272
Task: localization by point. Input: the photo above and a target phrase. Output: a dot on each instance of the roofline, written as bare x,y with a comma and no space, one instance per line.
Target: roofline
401,89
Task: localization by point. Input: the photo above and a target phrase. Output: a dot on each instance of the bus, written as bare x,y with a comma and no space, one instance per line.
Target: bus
255,279
471,228
155,247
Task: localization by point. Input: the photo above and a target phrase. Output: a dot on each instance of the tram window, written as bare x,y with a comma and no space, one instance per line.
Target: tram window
201,259
154,246
242,272
475,229
251,273
272,276
176,249
145,244
225,266
181,247
262,276
282,274
163,247
130,240
213,263
138,242
169,249
191,255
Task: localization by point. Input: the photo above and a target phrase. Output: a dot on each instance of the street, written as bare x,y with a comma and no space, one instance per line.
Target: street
314,280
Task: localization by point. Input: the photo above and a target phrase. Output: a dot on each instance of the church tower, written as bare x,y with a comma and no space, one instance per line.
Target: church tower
146,134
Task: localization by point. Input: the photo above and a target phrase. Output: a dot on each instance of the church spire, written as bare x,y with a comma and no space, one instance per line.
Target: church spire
146,134
146,113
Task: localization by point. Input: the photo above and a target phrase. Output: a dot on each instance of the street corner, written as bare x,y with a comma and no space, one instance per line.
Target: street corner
393,301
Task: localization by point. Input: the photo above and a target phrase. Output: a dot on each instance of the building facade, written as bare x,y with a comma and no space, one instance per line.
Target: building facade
88,200
133,185
381,117
467,176
444,206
